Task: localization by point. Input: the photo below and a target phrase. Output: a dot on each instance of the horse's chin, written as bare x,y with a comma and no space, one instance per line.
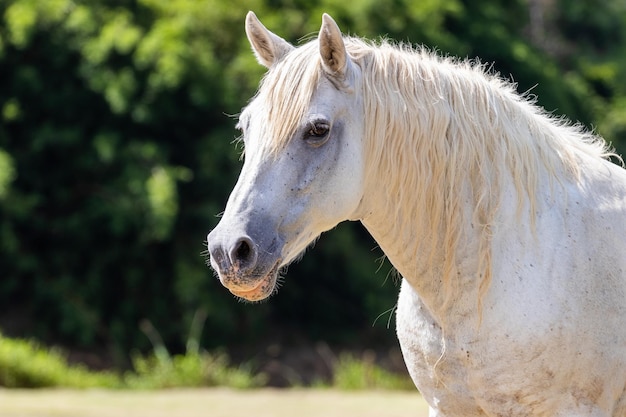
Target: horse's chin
264,288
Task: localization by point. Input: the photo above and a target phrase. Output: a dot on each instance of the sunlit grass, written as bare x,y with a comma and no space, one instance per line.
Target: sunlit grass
352,373
26,364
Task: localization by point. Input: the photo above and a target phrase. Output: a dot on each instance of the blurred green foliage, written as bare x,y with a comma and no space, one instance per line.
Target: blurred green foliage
116,154
354,373
26,364
191,370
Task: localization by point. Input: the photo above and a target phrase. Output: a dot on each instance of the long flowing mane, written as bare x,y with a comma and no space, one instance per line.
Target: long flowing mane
440,125
437,128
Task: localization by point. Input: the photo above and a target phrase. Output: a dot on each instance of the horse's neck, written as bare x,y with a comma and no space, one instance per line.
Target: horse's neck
410,253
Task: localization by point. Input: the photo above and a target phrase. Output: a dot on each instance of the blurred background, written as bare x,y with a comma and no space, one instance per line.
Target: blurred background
117,155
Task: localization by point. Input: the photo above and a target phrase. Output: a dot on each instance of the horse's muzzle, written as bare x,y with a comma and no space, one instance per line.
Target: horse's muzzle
247,266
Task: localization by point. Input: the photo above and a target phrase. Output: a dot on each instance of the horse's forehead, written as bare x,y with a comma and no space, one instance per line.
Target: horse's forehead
263,107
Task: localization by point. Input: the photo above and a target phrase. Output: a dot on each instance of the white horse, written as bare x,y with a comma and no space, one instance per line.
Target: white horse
507,225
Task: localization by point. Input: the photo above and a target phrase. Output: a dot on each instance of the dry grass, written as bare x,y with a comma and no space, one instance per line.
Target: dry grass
210,403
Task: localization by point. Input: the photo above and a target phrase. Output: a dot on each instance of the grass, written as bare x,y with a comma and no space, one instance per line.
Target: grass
352,373
153,387
27,364
214,402
198,369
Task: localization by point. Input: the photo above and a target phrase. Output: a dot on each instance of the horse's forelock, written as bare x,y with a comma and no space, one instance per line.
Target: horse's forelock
285,94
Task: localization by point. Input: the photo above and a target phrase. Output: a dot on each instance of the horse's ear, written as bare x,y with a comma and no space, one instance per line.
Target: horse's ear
268,48
332,49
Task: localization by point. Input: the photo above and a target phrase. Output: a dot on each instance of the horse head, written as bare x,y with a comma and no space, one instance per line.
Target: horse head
303,170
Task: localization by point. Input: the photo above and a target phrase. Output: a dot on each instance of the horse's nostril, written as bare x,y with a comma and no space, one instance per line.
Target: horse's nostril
243,250
243,253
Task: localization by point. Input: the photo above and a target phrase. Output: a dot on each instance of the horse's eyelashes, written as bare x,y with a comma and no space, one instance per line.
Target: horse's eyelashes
319,130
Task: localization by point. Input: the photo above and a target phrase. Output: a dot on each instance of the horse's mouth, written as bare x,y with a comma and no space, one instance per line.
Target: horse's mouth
264,288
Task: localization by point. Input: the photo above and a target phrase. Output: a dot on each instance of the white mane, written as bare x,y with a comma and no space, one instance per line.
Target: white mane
447,122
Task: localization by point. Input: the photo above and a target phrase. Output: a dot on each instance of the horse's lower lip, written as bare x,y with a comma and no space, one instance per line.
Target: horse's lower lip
262,290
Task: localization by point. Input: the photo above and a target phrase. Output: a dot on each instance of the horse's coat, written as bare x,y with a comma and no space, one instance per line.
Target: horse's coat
507,225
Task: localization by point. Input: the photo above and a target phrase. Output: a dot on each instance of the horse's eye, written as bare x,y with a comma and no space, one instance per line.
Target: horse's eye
319,130
317,134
